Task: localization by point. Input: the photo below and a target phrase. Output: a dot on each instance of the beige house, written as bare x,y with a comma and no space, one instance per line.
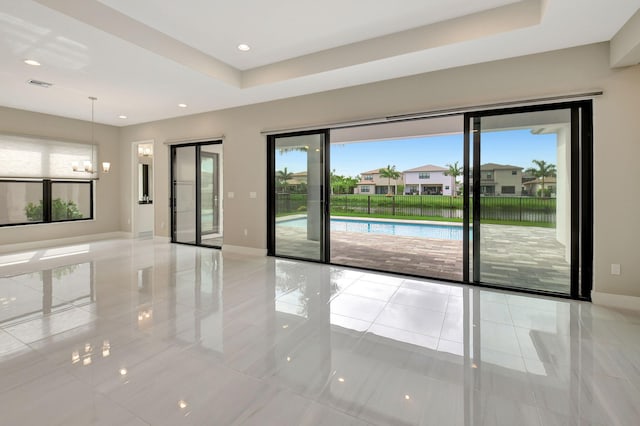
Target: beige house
500,179
533,186
371,183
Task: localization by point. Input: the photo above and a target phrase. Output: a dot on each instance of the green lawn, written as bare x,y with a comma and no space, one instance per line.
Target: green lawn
522,211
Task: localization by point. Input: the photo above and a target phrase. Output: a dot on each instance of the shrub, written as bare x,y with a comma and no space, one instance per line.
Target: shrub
60,210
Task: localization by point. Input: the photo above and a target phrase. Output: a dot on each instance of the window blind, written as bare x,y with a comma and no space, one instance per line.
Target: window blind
29,157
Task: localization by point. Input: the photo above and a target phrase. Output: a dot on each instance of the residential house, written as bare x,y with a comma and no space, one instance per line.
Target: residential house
298,182
371,183
429,180
532,187
501,179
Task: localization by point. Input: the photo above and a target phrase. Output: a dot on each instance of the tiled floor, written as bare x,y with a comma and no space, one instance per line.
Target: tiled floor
129,332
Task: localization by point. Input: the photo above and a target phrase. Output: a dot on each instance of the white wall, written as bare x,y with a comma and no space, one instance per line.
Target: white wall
435,178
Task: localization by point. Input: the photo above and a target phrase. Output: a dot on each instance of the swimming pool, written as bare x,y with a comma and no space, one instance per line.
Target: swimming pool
421,230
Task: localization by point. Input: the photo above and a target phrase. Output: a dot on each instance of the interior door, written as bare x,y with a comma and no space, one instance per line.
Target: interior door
530,198
298,198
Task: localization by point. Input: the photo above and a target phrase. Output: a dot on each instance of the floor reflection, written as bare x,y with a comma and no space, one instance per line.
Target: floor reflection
169,334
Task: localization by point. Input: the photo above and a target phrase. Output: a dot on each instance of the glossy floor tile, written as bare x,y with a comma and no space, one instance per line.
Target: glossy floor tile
142,332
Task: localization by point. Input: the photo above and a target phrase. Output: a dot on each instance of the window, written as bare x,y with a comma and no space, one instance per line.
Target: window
514,172
16,197
44,180
446,187
364,189
489,175
70,200
487,189
45,201
368,177
23,157
508,189
423,175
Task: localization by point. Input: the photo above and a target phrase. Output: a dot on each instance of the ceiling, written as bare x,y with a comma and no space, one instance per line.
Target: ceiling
142,58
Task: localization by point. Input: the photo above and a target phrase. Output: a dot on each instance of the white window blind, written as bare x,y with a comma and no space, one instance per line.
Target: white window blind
34,158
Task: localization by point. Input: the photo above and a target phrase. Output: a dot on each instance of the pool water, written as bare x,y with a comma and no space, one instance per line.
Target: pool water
441,232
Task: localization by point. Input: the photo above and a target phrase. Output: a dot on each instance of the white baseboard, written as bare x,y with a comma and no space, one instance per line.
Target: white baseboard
616,300
33,245
250,251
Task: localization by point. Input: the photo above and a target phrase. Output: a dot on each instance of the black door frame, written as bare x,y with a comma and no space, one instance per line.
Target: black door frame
198,183
581,195
581,279
324,193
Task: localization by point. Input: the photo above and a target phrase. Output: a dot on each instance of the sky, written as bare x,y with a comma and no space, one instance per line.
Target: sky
515,147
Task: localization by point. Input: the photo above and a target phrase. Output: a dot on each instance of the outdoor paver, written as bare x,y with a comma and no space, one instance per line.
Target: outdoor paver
515,256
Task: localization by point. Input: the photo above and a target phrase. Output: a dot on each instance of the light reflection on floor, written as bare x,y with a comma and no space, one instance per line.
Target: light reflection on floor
145,332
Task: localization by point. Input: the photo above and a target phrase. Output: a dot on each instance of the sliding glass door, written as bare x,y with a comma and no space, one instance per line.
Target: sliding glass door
298,198
210,195
500,198
196,177
530,198
395,202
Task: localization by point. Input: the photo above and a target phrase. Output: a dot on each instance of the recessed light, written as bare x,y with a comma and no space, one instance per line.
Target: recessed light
32,62
243,47
122,116
182,105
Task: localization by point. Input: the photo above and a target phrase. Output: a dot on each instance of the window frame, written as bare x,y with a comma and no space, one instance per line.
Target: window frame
47,200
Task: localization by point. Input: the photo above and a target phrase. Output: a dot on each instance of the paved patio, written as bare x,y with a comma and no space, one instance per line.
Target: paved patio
527,257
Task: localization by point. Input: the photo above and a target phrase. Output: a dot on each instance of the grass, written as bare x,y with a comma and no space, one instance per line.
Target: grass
517,211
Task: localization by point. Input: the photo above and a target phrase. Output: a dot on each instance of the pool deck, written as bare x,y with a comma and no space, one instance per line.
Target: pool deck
527,257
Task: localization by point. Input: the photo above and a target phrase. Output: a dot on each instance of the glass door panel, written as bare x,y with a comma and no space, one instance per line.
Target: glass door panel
184,194
522,198
196,176
210,195
298,202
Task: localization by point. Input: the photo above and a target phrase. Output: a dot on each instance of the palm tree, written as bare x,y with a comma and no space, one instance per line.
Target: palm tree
284,176
542,171
454,172
389,172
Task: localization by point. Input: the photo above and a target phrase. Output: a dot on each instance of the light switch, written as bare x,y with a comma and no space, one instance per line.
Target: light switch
231,194
252,195
615,269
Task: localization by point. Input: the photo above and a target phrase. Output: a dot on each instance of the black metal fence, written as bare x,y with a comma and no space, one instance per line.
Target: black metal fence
513,209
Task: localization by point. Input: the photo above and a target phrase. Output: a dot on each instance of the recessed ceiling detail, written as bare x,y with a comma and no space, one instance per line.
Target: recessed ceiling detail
143,54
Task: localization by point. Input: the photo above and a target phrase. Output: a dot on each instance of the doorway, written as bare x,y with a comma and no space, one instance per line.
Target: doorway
143,189
508,206
196,194
530,202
